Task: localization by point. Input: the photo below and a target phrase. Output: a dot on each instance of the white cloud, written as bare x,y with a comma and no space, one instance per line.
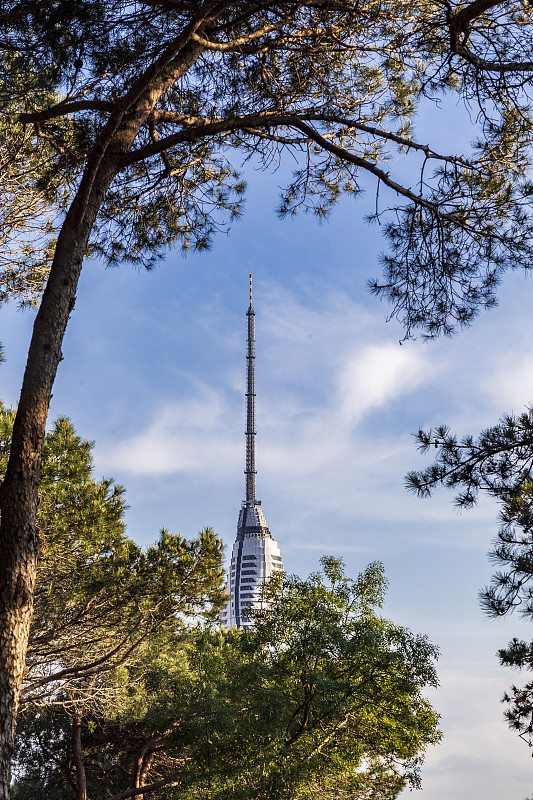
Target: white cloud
313,396
378,374
182,437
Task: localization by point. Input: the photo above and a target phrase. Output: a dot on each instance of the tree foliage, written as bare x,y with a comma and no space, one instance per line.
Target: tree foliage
321,698
336,84
497,462
99,596
30,193
511,589
132,121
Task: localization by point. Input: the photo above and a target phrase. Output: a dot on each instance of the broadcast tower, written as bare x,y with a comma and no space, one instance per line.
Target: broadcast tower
255,554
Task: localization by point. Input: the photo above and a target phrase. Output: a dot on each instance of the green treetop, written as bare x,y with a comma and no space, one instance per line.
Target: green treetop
322,698
99,596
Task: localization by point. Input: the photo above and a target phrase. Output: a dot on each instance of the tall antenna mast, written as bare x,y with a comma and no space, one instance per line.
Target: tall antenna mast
255,555
250,471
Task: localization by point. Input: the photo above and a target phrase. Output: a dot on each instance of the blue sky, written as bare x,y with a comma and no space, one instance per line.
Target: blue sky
154,373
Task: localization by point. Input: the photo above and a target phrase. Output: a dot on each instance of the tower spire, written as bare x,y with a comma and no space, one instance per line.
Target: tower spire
255,555
250,471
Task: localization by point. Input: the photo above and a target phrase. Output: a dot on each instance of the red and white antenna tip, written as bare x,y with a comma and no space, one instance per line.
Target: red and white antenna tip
250,290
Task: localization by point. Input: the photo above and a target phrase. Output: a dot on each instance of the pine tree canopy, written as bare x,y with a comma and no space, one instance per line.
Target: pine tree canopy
498,462
99,596
181,94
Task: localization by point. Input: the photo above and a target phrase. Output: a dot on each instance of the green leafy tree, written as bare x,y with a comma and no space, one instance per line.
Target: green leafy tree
99,597
145,111
322,698
354,679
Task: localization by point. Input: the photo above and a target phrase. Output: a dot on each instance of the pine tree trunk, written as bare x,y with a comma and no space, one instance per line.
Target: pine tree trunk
19,547
17,579
81,782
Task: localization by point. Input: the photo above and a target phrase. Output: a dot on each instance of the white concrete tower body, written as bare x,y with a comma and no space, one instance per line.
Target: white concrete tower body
255,554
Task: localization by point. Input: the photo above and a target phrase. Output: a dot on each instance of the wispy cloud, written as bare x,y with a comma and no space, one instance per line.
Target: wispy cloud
378,374
314,394
181,437
338,400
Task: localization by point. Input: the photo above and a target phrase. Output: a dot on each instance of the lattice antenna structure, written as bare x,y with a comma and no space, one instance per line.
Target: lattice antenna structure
250,471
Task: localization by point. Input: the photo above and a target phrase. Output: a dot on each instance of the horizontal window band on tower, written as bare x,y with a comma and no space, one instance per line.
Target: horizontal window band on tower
256,529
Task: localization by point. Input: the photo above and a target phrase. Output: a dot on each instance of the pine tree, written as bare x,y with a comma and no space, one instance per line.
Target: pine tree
144,110
500,463
99,597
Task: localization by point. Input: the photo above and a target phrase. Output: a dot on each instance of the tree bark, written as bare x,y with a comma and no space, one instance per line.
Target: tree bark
142,768
19,546
81,781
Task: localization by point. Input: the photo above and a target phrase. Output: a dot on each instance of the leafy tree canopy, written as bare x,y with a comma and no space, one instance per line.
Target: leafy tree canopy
321,698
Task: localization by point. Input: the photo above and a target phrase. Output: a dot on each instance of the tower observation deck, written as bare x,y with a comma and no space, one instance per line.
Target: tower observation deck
255,554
